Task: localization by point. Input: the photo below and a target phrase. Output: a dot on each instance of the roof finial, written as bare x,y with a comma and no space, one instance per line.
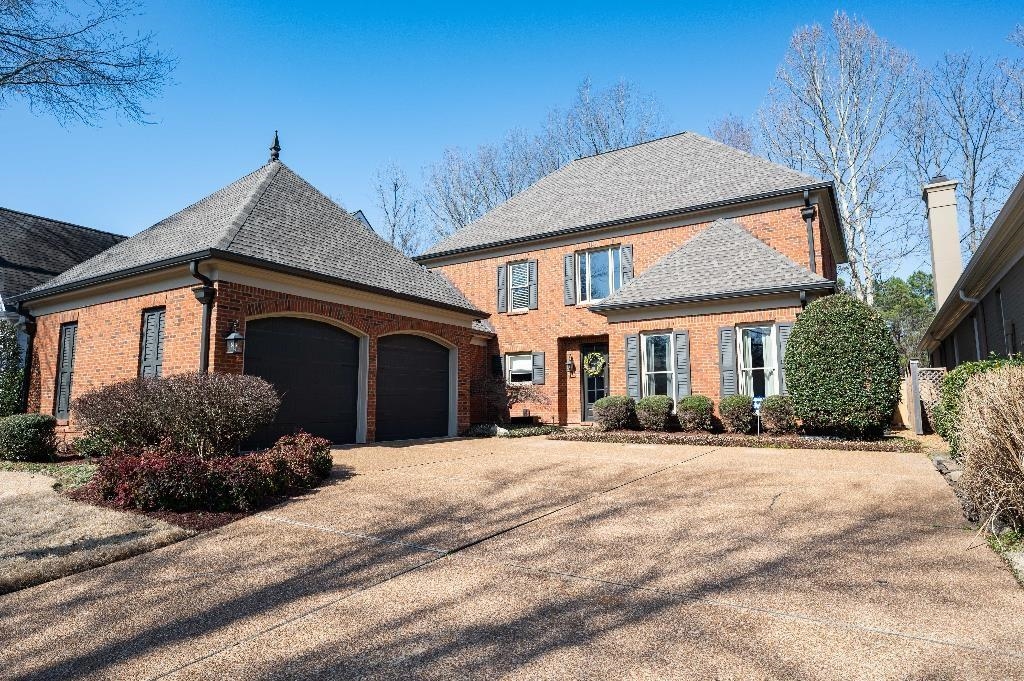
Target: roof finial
275,148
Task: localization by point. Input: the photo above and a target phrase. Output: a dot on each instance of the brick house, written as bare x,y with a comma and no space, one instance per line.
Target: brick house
676,267
363,343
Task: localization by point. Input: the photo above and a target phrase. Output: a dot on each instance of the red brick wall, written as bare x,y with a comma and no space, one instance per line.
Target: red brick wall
557,329
107,344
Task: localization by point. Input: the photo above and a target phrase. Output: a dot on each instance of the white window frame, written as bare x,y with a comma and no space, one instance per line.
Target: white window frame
772,381
508,367
614,274
644,373
525,264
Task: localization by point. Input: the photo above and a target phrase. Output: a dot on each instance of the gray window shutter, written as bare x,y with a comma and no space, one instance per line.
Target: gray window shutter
727,359
533,284
538,368
502,289
626,263
633,366
151,352
497,365
65,370
569,279
784,331
682,344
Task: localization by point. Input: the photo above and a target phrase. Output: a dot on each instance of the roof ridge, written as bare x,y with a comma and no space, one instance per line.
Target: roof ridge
245,210
635,144
63,222
757,157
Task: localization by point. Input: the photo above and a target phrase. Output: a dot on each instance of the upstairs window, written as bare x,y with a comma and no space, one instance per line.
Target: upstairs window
599,274
519,286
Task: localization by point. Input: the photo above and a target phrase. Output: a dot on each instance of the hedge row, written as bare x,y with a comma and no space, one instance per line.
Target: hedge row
894,444
695,413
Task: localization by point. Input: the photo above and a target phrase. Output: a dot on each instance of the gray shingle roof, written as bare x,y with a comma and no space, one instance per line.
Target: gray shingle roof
35,249
723,261
669,174
274,216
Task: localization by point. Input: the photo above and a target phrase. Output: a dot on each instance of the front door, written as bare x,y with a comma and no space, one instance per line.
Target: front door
594,387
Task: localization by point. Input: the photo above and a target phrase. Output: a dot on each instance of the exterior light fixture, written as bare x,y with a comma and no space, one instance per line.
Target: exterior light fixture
234,340
570,366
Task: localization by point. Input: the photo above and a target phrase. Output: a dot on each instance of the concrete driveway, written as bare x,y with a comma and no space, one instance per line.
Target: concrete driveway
532,559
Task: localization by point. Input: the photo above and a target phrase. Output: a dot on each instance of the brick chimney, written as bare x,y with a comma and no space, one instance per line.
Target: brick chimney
940,197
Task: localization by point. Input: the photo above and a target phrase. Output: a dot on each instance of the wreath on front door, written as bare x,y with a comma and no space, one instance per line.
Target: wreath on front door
593,364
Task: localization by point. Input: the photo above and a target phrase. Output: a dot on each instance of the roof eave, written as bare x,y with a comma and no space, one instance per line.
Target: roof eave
209,253
683,300
425,257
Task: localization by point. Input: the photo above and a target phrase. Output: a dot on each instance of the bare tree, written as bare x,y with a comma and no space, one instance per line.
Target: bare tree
734,131
831,112
464,185
971,95
77,66
399,203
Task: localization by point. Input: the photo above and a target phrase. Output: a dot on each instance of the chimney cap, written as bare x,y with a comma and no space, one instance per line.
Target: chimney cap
940,178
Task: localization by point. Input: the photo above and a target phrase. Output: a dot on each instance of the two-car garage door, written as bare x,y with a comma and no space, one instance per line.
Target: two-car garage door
316,369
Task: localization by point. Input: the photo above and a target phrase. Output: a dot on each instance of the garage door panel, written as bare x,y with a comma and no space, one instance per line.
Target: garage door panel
412,388
314,367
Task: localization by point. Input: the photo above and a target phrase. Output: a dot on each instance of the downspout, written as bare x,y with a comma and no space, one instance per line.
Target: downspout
205,295
30,331
807,213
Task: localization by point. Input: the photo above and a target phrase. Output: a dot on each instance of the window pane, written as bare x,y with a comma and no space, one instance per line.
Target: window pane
520,362
520,298
598,274
582,257
519,274
656,350
657,384
616,270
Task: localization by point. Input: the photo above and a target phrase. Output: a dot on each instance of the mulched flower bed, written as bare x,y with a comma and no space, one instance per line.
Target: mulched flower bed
888,444
197,521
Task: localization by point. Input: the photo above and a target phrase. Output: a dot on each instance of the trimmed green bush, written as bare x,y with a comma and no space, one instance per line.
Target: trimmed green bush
615,412
778,417
842,369
695,413
737,413
202,414
91,446
28,437
654,412
947,413
11,371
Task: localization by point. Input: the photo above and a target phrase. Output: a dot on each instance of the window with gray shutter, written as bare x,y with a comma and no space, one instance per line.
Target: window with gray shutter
682,364
783,334
626,262
727,360
569,279
65,370
151,350
538,368
502,289
633,366
533,284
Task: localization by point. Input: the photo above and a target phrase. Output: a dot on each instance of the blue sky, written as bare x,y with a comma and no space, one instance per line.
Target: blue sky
351,88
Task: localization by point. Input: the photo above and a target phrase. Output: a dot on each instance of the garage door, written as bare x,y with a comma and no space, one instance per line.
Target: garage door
412,388
315,368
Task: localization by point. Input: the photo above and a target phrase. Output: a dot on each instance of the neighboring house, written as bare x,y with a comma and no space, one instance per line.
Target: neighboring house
36,249
672,267
362,343
980,308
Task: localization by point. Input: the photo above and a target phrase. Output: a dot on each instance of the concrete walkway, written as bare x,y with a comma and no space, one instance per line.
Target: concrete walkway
538,559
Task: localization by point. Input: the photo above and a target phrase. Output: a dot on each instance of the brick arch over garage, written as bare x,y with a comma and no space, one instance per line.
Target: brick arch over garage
237,302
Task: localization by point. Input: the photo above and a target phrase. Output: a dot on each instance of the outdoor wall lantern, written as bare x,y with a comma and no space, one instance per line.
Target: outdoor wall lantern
234,339
570,366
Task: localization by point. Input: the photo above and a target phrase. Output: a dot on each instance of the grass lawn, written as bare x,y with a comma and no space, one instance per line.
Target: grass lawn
44,535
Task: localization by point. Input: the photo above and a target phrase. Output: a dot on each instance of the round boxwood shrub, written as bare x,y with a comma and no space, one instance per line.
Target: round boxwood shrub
615,412
778,417
654,412
28,437
737,413
842,369
695,413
